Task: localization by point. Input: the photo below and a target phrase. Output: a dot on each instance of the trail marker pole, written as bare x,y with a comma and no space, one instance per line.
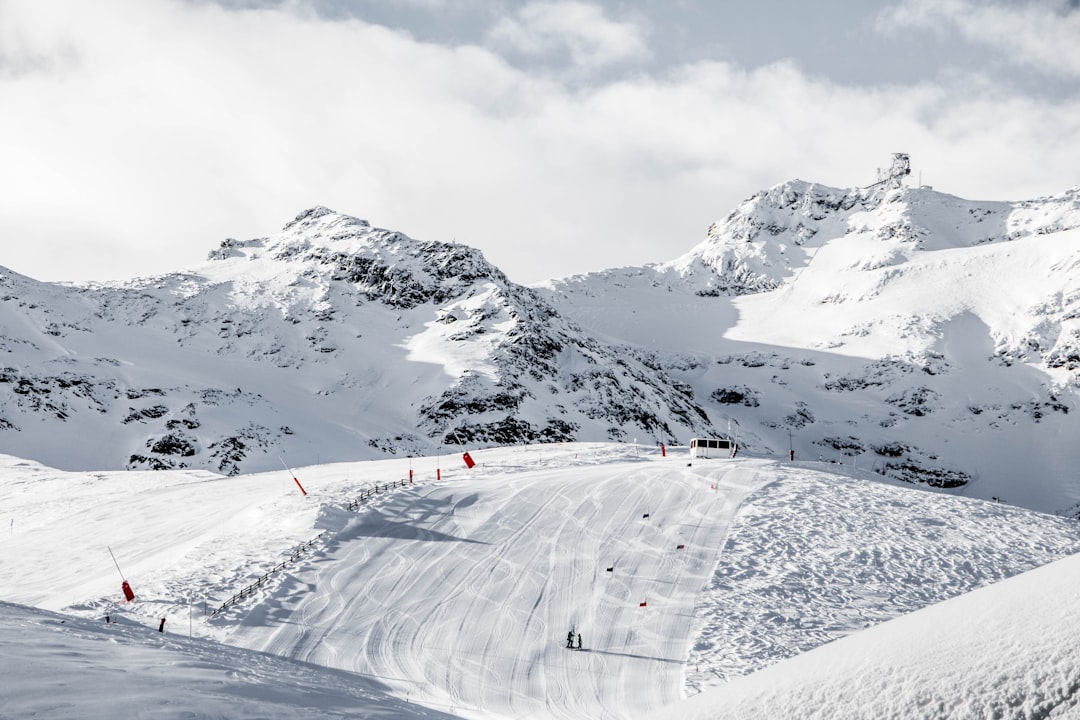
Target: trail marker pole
129,594
302,490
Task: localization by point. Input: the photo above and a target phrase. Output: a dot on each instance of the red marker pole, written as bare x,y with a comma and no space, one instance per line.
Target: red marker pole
129,594
302,490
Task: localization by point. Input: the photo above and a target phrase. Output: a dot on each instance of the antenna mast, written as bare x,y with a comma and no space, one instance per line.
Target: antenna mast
892,177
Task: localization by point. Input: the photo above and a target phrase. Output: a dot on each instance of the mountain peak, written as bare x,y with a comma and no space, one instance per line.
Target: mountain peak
772,235
323,247
767,238
321,216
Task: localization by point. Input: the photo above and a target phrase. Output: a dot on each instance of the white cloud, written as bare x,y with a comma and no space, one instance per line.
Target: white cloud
546,29
1044,35
145,131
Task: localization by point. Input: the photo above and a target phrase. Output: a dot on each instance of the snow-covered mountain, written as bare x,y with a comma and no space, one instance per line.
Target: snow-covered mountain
332,340
918,339
927,337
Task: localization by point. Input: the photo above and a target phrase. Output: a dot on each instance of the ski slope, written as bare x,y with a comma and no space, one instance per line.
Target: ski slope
460,595
453,596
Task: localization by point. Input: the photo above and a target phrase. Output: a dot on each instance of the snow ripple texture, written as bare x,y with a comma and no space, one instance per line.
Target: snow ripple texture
812,558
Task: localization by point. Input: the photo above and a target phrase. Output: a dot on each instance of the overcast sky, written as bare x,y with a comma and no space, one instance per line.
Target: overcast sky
558,137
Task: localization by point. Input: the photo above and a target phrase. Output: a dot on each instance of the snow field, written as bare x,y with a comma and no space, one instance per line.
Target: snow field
815,557
456,596
469,588
73,668
1003,651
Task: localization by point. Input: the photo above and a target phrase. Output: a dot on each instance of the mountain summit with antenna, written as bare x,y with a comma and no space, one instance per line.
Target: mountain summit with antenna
893,176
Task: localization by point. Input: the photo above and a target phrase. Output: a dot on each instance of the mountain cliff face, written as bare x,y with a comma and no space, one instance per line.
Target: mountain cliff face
330,340
929,338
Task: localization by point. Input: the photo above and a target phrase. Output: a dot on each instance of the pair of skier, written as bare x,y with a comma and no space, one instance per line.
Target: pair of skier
570,640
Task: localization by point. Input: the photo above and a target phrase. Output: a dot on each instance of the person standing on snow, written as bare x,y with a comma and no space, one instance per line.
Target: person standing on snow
570,639
579,641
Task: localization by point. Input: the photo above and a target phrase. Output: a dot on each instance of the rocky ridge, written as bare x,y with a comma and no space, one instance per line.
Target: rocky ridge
332,339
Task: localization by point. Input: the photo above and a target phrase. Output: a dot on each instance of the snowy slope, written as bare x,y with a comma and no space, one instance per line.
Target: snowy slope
332,340
1005,651
468,593
456,594
927,337
59,666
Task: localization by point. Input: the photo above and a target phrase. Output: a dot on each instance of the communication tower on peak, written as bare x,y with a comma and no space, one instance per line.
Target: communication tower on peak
893,176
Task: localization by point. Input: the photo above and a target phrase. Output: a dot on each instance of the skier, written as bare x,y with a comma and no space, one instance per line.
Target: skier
579,641
570,639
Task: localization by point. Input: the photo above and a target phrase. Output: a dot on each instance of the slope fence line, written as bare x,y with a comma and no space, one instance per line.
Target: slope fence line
299,550
366,495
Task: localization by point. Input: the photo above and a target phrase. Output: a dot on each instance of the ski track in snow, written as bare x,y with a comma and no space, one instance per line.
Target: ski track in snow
457,595
467,596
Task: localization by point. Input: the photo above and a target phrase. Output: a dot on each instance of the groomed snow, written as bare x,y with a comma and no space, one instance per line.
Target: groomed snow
454,596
